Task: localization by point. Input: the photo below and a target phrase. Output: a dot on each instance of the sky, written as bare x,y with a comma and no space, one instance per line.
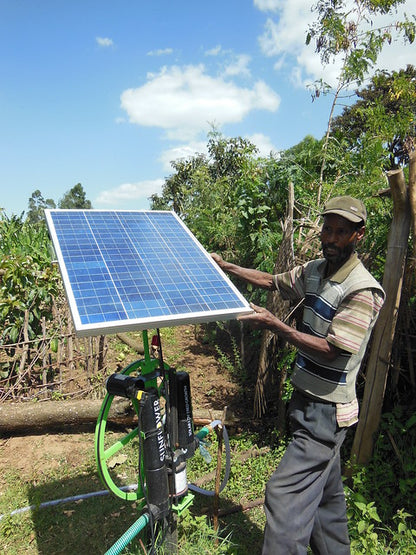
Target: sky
108,93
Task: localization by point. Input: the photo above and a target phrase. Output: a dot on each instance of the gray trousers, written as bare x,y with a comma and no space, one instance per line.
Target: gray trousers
305,502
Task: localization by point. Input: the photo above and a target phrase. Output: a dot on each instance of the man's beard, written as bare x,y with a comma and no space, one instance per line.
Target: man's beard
335,255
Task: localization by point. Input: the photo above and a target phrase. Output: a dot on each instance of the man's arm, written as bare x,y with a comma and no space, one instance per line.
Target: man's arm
255,277
263,319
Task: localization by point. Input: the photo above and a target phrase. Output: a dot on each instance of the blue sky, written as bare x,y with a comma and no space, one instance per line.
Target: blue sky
107,93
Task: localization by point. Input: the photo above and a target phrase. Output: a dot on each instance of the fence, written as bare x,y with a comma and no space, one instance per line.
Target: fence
54,365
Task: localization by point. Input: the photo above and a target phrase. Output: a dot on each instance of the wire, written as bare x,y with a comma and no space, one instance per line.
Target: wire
162,364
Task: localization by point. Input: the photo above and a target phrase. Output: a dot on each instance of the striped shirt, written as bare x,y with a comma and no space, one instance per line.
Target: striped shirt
342,309
352,320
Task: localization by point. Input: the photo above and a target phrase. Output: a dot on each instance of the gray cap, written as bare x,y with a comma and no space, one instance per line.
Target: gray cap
351,208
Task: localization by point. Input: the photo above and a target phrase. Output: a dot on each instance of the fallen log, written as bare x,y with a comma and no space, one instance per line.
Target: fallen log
139,349
42,417
63,416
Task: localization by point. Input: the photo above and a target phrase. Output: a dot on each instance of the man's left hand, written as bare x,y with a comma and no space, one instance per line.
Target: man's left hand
261,318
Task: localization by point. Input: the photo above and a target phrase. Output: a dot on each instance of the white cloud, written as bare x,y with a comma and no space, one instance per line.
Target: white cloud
104,42
186,100
267,5
129,195
160,52
397,55
263,143
213,51
288,33
239,66
285,40
181,152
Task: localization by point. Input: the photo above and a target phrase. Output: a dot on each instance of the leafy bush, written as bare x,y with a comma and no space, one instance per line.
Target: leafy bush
29,282
381,497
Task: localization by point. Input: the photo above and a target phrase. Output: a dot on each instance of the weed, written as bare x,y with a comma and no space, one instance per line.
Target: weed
232,363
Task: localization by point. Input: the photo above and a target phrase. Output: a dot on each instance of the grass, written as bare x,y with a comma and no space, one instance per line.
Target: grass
93,525
381,497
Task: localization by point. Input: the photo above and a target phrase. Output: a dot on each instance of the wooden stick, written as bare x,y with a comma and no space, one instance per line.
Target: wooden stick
382,341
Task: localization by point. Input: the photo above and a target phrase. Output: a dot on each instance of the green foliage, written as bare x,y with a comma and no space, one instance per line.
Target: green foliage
363,519
381,121
198,537
368,533
233,365
229,199
381,496
234,201
37,205
301,165
339,30
28,280
403,536
75,198
349,34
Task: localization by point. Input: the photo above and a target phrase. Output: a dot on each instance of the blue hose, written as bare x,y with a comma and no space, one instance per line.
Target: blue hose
73,498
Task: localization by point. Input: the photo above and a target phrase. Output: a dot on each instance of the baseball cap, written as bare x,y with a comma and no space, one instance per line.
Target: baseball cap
351,208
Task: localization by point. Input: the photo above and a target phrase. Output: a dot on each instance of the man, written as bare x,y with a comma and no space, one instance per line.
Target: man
305,503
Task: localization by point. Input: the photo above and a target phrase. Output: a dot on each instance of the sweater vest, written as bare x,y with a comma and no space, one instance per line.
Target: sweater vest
331,381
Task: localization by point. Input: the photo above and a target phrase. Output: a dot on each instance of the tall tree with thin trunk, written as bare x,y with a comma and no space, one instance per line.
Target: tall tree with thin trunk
349,36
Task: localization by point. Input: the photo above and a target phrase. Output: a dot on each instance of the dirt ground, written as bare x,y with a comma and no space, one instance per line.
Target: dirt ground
212,387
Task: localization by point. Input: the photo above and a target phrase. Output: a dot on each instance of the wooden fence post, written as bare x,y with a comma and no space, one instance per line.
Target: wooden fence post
383,334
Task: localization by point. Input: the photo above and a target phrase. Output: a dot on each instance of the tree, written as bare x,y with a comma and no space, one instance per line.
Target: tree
384,115
341,32
37,204
179,187
75,198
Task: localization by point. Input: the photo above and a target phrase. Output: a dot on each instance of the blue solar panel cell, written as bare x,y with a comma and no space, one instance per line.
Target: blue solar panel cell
137,269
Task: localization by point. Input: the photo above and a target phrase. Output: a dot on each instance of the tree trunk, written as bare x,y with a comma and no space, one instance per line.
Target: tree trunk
139,349
62,416
383,334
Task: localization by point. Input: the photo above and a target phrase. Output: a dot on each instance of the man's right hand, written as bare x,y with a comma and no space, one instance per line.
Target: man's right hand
217,258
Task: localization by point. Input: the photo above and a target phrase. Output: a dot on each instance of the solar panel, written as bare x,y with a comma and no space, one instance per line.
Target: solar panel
138,269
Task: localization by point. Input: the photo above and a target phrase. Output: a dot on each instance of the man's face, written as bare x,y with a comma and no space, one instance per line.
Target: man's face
339,238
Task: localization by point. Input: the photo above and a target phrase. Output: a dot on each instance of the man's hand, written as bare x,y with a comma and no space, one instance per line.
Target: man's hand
217,258
260,319
255,277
